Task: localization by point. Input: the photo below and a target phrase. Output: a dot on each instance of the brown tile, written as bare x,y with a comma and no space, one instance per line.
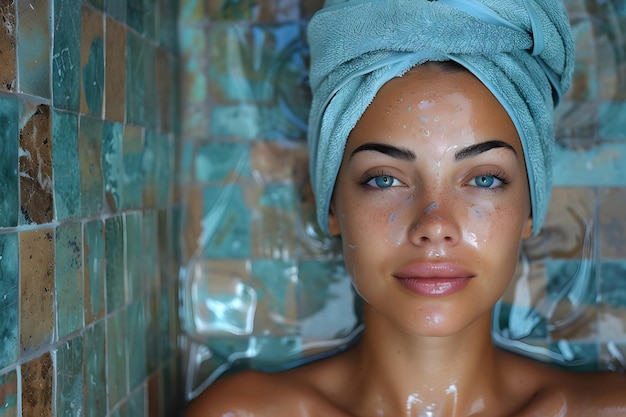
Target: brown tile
273,162
37,288
115,71
37,375
35,165
612,223
164,82
154,395
8,69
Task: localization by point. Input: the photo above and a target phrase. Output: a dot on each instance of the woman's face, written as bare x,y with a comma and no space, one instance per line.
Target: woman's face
432,201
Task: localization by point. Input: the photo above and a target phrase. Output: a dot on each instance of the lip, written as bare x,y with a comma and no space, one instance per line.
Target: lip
434,279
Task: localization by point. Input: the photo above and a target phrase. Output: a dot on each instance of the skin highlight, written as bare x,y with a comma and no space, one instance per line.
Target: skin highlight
431,206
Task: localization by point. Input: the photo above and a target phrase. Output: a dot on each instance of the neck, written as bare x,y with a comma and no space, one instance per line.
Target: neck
411,375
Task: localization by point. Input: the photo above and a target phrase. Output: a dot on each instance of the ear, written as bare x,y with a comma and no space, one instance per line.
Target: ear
527,231
333,220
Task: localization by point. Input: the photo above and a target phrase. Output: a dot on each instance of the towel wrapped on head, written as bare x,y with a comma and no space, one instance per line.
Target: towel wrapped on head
521,50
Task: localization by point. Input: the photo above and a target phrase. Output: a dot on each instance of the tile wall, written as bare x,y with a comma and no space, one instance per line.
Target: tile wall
88,229
244,81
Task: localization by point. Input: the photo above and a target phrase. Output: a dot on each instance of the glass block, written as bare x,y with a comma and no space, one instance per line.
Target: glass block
116,350
66,55
33,32
95,384
222,161
65,166
115,71
135,15
136,343
94,262
9,139
91,62
8,70
36,249
69,378
8,386
114,258
135,74
90,162
69,284
112,165
226,223
133,178
37,380
35,165
9,291
134,255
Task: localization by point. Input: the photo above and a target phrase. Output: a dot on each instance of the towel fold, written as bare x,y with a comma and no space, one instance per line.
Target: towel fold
521,50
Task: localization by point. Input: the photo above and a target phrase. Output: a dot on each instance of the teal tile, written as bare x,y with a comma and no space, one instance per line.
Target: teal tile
68,272
35,165
226,223
95,382
8,401
136,343
114,258
66,55
151,101
98,4
163,168
187,161
216,161
150,23
94,262
136,403
167,310
133,177
153,337
135,15
612,120
135,78
134,255
9,139
112,165
274,282
235,10
65,166
150,254
613,284
117,361
93,76
149,167
279,196
322,284
167,24
69,378
33,33
9,278
248,121
90,161
603,165
116,9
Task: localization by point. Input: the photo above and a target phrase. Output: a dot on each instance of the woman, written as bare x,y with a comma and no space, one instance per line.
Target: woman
431,179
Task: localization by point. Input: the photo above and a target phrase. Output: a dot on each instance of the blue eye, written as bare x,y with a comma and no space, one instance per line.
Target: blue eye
485,181
382,181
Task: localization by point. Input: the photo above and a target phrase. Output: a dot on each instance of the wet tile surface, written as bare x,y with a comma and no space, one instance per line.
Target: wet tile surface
69,381
94,279
65,165
91,62
9,307
90,163
69,284
9,134
66,66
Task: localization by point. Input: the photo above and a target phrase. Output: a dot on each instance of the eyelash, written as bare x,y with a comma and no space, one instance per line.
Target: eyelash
370,176
499,175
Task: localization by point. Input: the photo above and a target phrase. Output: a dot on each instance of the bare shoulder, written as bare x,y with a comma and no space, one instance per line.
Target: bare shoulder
257,394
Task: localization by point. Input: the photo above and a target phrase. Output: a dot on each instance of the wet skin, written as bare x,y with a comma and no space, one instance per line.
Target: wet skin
431,203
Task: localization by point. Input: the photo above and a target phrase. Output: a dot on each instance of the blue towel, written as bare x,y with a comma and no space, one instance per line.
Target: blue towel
521,50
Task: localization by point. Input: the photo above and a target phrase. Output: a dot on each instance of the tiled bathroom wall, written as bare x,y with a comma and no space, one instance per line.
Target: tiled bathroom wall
248,219
88,229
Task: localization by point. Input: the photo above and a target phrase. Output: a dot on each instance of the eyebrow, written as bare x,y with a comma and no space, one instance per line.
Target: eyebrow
479,148
393,151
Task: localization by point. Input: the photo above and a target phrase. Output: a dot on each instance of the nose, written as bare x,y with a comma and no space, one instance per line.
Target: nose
435,224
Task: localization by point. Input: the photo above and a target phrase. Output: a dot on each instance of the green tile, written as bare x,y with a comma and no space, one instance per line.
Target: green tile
135,15
69,378
9,278
90,161
94,262
226,223
149,159
136,403
65,166
93,77
135,74
612,120
163,168
112,164
68,272
117,362
216,161
135,259
95,370
8,402
133,178
9,139
116,9
114,258
150,255
136,339
65,55
151,101
33,47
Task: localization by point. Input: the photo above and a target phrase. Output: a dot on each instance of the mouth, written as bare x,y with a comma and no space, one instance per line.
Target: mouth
434,279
